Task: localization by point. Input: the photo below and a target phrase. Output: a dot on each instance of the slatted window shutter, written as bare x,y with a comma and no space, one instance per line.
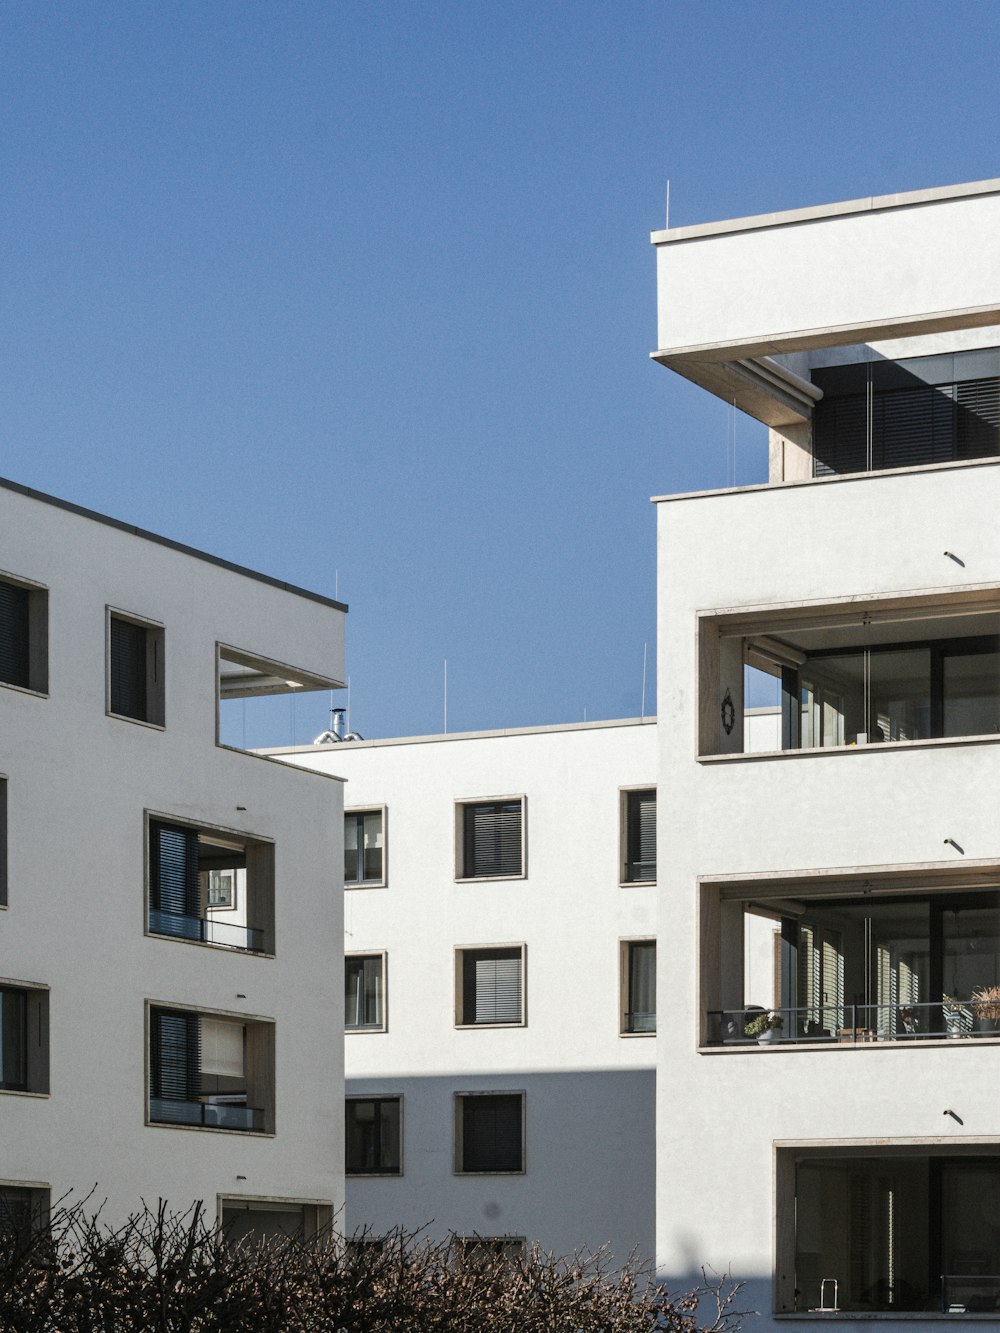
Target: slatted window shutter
493,839
174,1055
128,669
491,986
641,837
175,893
14,622
491,1132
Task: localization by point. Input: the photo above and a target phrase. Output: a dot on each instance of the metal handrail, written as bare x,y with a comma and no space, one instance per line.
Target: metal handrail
207,930
849,1023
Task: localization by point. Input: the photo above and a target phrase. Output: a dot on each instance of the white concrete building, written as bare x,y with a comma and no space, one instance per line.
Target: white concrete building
842,1157
500,909
168,910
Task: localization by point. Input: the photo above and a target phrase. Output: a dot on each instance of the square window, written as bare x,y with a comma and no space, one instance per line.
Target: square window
23,635
210,1071
490,986
638,986
639,836
364,848
23,1212
24,1038
135,669
364,992
490,836
374,1138
489,1133
213,886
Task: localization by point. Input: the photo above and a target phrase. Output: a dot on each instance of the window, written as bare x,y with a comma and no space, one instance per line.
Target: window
135,669
639,836
364,848
491,839
23,1210
638,962
24,1038
3,842
895,958
212,886
894,1231
364,992
475,1251
374,1136
489,1133
257,1220
211,1071
490,986
23,635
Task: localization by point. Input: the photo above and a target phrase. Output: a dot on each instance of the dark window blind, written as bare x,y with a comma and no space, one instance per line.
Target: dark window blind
14,621
128,670
174,890
491,1132
174,1056
641,837
491,986
492,839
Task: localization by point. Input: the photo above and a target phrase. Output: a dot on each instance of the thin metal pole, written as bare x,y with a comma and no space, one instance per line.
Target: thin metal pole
446,696
642,714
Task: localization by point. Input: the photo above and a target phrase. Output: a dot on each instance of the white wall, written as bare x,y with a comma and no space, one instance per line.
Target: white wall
79,784
589,1091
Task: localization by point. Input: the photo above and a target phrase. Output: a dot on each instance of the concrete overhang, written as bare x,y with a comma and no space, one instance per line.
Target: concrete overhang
735,295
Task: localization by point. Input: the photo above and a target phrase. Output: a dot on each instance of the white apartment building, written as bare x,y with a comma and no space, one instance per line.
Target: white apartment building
500,913
838,1143
158,1037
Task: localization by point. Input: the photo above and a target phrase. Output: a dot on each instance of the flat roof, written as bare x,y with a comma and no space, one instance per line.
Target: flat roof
461,736
32,494
876,203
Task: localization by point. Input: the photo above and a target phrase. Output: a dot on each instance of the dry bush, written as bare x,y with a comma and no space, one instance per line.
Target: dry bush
173,1273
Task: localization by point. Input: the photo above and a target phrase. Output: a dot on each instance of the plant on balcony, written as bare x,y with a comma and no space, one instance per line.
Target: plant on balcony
767,1020
986,1003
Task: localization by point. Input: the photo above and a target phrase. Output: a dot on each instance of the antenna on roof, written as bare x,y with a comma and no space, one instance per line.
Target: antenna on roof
642,714
667,223
446,696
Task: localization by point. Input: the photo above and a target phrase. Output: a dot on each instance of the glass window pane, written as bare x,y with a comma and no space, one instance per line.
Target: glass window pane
971,690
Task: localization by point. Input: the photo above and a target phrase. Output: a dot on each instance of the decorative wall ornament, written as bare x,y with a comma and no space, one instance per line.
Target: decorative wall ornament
728,713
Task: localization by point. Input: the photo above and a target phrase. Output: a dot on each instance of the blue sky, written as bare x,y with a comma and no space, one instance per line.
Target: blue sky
368,288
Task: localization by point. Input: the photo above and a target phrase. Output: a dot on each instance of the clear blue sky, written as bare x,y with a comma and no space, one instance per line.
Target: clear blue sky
368,287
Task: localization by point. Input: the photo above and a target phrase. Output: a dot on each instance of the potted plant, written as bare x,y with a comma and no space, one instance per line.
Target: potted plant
986,1003
765,1026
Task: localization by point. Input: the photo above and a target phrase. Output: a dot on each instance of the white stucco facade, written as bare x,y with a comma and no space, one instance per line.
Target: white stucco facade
81,946
841,1168
585,1177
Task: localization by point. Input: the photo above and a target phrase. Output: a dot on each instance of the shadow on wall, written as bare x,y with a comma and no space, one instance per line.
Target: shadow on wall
565,1159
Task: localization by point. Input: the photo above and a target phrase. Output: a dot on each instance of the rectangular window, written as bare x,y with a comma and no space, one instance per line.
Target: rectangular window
256,1220
639,836
485,1251
24,1039
3,842
364,848
898,1231
210,1071
490,986
135,669
491,839
23,635
196,871
23,1210
489,1133
364,992
374,1137
638,962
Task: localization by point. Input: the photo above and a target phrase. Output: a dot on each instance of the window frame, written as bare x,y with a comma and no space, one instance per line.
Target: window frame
459,1099
155,668
39,1199
625,799
625,947
383,1025
461,867
378,1098
259,1067
37,646
317,1214
37,1038
383,881
259,886
3,841
461,1021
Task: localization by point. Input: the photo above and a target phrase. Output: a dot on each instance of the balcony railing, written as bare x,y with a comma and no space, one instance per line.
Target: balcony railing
208,1115
849,1023
226,934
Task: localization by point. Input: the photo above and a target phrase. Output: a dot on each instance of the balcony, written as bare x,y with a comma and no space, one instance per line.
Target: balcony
212,1113
207,930
850,1024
